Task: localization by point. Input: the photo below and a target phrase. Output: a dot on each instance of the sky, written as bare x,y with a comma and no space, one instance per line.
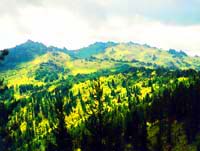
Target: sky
77,23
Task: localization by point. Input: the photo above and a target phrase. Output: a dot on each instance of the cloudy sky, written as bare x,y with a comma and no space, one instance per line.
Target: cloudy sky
77,23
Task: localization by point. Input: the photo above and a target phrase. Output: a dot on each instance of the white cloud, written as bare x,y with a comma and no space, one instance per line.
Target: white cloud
75,24
153,33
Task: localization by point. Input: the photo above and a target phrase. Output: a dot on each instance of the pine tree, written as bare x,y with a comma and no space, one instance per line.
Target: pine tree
3,53
63,138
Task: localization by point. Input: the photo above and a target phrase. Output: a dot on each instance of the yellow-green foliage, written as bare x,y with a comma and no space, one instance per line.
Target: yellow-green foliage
38,117
23,127
85,88
82,66
145,54
24,73
178,137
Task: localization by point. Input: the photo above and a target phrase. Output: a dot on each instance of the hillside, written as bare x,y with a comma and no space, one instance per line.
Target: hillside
133,52
107,96
26,52
126,53
96,48
143,53
25,61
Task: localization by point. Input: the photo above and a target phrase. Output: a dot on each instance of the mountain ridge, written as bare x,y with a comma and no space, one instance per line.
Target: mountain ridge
108,51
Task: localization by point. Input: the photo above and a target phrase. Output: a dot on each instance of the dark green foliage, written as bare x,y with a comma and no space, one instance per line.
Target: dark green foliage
63,139
93,49
38,121
23,53
136,109
3,53
48,72
23,89
175,53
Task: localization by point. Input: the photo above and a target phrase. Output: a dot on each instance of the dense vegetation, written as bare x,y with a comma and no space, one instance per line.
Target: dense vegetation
3,53
129,104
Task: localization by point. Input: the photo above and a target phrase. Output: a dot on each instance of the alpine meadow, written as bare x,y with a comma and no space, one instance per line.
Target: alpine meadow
99,75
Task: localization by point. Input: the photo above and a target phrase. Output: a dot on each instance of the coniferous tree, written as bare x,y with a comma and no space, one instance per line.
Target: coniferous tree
63,138
3,53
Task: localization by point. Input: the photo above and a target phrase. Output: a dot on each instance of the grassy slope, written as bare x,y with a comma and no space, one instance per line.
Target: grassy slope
129,52
111,57
24,73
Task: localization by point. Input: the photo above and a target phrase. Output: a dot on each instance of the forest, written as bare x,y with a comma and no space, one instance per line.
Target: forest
99,75
151,110
120,108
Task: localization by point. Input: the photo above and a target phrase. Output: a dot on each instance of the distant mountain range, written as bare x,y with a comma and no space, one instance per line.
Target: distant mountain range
124,52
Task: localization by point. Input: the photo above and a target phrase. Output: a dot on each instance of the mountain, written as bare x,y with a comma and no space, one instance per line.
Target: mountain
23,53
96,48
133,52
107,96
26,52
143,53
177,54
35,62
111,51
